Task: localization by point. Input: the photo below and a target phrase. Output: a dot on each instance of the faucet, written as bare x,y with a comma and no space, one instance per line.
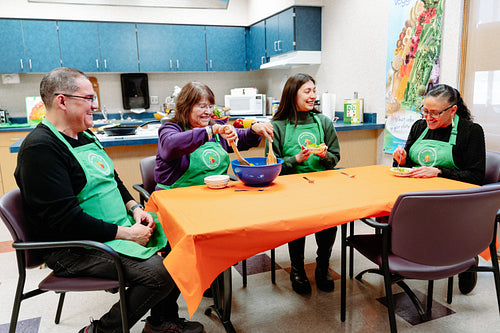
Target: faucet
121,114
104,113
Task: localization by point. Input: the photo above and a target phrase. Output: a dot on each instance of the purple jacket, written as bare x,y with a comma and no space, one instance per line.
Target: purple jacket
175,146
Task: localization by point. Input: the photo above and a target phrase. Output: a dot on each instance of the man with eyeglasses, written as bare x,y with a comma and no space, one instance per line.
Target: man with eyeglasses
71,191
445,143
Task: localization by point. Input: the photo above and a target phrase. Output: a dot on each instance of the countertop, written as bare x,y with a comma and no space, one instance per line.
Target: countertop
150,136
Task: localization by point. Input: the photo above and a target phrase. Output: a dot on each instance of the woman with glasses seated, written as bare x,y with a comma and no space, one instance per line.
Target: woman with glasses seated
446,143
192,145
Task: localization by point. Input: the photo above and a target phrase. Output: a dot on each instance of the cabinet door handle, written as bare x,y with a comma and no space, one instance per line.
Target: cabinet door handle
177,63
30,63
210,63
279,48
97,63
170,64
275,50
262,59
105,64
22,66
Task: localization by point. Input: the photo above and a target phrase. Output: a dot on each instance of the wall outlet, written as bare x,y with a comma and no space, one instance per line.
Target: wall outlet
154,100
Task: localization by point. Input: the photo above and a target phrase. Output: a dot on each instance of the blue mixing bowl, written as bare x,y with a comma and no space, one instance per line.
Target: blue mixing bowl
258,174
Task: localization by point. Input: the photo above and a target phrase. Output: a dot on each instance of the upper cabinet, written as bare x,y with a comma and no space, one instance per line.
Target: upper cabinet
29,46
80,45
168,48
225,48
256,45
11,39
118,43
295,29
280,33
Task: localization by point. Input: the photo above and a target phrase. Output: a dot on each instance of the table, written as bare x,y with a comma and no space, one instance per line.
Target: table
210,230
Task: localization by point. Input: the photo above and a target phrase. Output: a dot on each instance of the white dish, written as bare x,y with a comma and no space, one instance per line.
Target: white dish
400,171
217,181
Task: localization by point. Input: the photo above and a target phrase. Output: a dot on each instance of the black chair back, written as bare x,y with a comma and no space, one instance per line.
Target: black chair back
147,166
444,227
492,172
11,212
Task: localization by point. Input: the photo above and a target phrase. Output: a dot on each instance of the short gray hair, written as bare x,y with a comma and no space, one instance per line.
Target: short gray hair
59,80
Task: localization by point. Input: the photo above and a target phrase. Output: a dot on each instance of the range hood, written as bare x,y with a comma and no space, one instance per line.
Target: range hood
293,59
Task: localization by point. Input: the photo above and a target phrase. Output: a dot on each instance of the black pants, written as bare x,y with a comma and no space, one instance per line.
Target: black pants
150,285
324,239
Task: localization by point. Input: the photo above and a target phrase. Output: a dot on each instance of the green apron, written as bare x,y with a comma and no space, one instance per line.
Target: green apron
101,198
302,135
209,159
435,152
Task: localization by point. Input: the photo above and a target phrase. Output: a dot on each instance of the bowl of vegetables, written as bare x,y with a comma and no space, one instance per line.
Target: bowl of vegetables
258,173
400,171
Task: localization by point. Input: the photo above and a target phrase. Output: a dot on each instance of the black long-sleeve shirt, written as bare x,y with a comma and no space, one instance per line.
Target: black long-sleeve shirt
468,154
50,179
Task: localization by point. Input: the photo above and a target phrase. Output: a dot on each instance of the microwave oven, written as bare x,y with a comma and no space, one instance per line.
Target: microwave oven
246,105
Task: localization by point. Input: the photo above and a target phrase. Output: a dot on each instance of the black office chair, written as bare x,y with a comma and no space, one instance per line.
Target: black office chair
437,242
11,212
147,167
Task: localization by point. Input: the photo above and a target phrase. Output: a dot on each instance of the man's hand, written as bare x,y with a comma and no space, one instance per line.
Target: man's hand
142,217
137,233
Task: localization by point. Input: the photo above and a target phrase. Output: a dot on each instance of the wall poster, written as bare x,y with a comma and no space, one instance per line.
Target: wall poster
413,49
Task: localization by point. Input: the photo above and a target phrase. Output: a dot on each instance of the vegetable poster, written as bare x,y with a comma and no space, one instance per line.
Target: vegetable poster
413,48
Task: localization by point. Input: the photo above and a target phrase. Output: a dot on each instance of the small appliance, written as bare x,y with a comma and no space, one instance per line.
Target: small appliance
4,116
246,105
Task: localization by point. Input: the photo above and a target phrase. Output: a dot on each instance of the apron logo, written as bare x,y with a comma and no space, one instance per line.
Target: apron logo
306,138
211,158
427,156
99,163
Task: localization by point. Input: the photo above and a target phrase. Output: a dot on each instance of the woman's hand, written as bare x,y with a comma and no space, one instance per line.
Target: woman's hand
424,172
228,132
399,155
303,155
263,129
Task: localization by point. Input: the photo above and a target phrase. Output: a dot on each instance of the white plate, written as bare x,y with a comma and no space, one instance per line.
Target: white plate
216,179
400,171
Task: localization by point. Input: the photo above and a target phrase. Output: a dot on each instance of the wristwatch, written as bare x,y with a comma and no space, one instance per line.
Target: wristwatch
131,209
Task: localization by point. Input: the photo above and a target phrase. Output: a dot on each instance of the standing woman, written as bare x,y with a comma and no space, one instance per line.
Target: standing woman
446,143
192,145
298,124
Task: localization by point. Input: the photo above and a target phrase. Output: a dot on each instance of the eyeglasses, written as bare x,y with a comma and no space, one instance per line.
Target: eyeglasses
434,115
92,100
210,107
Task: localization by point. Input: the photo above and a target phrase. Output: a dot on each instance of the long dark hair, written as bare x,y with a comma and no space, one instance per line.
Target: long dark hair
453,97
287,108
190,94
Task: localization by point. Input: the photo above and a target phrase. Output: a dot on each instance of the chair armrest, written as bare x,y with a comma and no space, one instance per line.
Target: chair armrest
142,192
76,243
374,224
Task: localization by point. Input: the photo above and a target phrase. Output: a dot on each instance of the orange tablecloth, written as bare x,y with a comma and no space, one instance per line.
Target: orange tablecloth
210,230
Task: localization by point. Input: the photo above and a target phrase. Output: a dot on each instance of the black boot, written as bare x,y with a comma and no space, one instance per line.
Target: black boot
300,283
325,240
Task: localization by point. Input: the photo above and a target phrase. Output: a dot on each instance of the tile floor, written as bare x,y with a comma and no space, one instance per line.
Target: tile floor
266,307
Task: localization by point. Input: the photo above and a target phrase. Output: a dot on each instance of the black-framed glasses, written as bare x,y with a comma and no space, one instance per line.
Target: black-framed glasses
434,115
92,100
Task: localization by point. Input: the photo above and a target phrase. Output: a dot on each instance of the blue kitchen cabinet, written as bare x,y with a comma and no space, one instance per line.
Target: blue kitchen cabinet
256,45
189,48
226,48
79,42
295,29
156,47
118,43
171,48
11,39
280,33
41,46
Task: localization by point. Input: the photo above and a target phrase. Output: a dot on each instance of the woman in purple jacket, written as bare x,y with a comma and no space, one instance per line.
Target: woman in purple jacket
192,145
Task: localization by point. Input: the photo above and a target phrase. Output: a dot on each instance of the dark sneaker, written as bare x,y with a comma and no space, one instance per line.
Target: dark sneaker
181,325
324,280
92,328
467,280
